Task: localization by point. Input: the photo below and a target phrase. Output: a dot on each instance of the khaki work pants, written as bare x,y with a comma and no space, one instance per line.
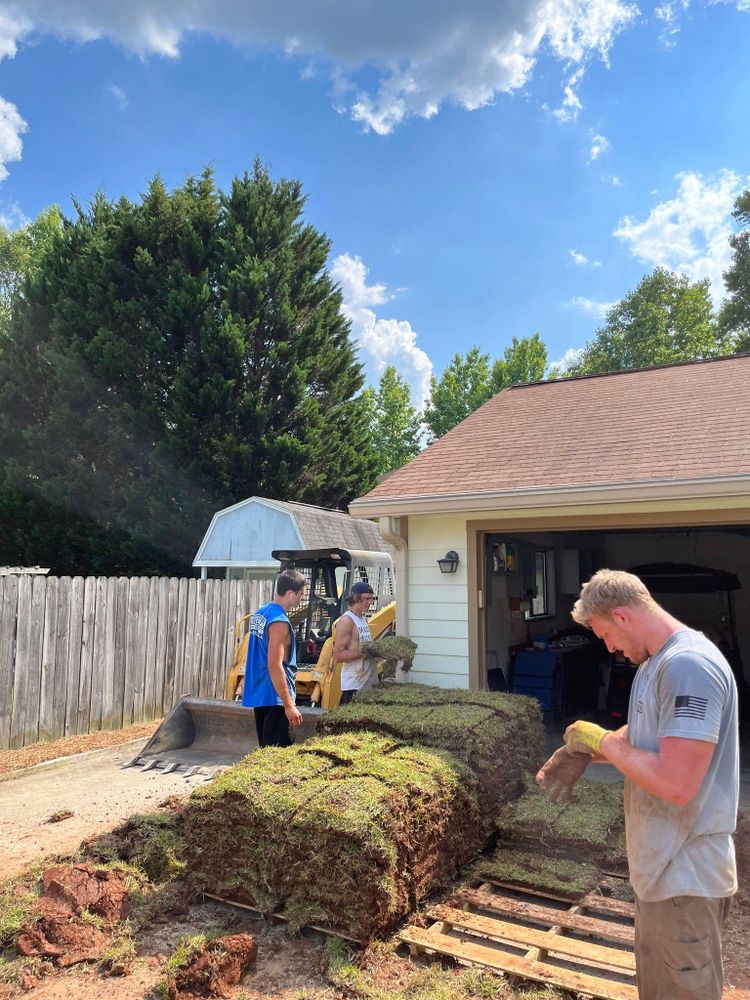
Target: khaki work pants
678,948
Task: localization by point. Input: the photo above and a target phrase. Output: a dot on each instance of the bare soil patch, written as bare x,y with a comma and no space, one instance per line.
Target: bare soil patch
39,753
93,791
737,932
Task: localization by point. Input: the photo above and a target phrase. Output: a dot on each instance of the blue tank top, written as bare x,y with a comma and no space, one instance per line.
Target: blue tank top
259,690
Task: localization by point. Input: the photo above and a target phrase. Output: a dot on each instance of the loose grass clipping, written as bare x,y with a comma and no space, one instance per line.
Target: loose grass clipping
345,832
498,736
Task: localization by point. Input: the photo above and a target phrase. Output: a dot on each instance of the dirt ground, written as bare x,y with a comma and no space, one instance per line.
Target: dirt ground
92,787
12,761
98,794
286,967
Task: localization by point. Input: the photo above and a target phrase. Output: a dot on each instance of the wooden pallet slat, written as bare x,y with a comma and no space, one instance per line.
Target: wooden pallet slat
606,930
585,947
474,953
530,937
608,906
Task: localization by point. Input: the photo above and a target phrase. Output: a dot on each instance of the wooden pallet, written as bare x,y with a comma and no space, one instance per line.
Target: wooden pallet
280,918
586,947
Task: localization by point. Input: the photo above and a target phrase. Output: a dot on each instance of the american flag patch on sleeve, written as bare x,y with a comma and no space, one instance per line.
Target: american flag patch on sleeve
688,706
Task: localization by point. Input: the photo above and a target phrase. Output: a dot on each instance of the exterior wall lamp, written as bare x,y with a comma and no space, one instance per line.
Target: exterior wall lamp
449,562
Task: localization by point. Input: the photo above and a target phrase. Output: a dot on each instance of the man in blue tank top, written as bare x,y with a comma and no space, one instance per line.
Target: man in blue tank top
272,664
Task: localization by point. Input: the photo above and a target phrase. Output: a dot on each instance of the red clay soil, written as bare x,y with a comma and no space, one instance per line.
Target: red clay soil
38,753
215,969
57,930
736,935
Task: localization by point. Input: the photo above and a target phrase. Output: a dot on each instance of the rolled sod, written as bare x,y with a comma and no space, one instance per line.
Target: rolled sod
590,829
498,736
346,832
561,850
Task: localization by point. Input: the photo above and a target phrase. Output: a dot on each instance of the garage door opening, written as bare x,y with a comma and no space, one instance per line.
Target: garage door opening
532,579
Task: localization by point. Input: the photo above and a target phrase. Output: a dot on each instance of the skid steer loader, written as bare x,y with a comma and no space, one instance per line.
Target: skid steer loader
208,734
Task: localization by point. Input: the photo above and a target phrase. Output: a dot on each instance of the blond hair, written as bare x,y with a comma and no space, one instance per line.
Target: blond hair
609,589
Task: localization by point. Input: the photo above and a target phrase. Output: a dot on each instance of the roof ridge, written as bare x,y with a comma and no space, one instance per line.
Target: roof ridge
631,371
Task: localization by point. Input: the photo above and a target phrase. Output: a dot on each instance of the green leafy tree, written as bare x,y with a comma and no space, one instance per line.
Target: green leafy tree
462,388
394,420
472,378
171,356
734,317
21,253
524,361
666,318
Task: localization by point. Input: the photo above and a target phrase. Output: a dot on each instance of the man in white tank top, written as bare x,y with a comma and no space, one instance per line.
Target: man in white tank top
351,630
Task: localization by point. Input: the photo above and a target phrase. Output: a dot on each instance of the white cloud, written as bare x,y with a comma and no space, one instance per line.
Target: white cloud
570,357
119,95
571,105
12,127
422,55
590,306
12,217
599,144
581,260
690,232
614,180
670,14
382,342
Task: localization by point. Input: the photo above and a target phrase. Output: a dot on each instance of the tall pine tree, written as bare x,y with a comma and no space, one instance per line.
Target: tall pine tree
168,357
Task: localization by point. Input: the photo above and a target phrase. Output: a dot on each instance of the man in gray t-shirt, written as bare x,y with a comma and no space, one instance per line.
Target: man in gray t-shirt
679,754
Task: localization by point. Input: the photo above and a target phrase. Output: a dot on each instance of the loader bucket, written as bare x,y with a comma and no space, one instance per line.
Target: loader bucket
206,735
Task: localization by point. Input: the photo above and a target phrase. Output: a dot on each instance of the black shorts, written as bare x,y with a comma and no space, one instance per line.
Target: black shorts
272,726
346,697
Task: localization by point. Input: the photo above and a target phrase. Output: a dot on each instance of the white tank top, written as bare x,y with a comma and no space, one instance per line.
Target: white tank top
361,673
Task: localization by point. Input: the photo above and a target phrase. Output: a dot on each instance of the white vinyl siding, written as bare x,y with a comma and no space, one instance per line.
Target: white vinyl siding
438,611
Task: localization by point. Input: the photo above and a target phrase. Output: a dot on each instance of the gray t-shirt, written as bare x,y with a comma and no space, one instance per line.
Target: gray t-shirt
686,689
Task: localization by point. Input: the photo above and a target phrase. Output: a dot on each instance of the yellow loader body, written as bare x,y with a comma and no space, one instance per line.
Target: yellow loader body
318,684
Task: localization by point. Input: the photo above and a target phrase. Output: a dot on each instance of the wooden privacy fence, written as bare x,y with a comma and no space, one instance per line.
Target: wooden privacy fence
86,653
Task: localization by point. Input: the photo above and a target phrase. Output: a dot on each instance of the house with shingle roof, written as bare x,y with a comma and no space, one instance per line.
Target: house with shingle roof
240,538
548,482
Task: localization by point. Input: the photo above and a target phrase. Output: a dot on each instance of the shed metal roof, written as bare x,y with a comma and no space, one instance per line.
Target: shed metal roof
244,534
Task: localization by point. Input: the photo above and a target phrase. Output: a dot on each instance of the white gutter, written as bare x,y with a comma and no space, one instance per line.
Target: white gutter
390,534
557,496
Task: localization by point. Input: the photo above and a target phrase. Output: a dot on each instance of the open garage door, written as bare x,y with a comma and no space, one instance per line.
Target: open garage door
532,579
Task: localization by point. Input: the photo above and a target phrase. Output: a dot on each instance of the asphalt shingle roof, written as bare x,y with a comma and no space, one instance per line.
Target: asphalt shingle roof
685,421
322,528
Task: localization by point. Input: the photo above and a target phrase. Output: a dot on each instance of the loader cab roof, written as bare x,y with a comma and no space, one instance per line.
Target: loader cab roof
346,557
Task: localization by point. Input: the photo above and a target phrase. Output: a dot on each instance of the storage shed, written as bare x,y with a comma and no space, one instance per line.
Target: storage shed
240,538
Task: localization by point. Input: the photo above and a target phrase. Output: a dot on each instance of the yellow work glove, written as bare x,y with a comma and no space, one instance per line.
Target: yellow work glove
585,736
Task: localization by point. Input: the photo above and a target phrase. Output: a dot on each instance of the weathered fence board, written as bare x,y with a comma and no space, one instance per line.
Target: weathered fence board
79,654
61,657
87,655
8,609
75,648
49,653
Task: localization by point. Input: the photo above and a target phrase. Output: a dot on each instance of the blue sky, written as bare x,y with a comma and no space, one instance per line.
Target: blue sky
485,170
